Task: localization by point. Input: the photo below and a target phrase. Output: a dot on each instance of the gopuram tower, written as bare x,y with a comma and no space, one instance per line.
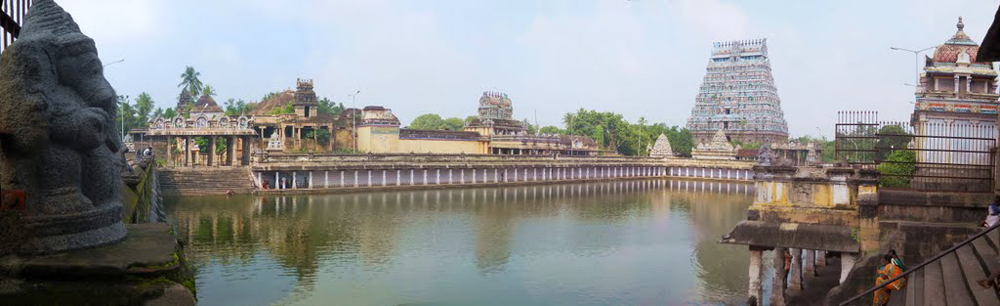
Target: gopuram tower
738,96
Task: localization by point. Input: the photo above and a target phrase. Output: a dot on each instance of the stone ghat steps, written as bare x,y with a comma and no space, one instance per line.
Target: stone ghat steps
951,280
205,182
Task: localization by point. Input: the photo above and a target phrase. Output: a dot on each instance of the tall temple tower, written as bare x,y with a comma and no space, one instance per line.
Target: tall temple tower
738,96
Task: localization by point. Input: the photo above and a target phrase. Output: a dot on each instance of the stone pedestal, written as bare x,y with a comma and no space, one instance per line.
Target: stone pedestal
820,258
148,267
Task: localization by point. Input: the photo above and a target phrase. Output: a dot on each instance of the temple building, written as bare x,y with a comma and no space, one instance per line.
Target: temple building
494,131
738,96
290,121
956,97
506,135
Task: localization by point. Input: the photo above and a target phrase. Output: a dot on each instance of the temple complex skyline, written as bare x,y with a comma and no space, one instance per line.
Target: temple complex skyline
637,58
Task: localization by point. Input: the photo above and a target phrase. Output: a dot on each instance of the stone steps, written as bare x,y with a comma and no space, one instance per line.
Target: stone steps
951,280
205,182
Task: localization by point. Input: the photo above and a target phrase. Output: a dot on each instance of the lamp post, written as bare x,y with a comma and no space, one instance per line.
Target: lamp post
354,119
122,100
916,62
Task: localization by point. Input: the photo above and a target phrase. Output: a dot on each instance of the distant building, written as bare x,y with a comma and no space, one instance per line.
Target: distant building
738,96
956,98
494,131
294,131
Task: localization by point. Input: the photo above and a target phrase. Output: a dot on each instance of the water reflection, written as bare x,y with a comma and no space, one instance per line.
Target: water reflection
627,242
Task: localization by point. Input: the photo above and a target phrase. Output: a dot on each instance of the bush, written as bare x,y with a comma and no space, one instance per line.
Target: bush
897,170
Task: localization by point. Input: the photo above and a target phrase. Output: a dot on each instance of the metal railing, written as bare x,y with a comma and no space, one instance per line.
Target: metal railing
11,18
920,266
929,156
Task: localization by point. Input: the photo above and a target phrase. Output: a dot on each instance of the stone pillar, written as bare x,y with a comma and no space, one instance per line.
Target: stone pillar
230,150
295,180
357,182
756,267
473,175
170,151
277,180
326,179
437,180
820,258
260,179
399,181
187,151
778,286
246,150
810,265
846,264
461,176
211,151
411,177
370,177
795,273
310,180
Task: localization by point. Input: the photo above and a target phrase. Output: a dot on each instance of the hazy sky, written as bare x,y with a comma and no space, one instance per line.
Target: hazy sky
642,58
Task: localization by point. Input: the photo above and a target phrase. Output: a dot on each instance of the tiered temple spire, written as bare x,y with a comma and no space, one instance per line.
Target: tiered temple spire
738,96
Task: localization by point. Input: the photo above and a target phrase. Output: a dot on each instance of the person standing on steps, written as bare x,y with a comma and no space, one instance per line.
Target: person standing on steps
885,273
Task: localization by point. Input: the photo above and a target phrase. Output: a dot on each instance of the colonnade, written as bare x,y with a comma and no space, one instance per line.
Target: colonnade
803,263
711,173
347,178
188,145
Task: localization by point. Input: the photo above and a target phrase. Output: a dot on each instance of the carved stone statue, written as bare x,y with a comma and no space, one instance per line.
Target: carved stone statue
57,141
764,157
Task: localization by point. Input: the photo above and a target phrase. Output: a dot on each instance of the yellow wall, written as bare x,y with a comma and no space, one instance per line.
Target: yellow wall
441,146
378,139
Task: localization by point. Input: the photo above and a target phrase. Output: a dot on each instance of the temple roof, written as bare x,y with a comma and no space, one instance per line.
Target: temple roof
279,100
206,104
951,49
990,50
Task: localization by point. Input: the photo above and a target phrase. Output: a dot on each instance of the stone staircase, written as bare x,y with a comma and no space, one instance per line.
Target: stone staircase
951,280
205,181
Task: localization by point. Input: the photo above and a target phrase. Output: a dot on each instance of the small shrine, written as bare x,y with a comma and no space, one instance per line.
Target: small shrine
662,148
718,148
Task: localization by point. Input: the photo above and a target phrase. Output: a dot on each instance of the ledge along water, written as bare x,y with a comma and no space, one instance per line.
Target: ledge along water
594,243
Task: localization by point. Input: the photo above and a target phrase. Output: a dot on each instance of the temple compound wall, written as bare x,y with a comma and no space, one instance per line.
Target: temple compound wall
346,172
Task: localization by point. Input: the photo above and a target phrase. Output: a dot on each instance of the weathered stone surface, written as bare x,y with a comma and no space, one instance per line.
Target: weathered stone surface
56,118
793,235
146,265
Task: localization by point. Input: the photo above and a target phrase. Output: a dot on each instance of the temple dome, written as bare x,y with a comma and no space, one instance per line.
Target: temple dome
206,104
951,49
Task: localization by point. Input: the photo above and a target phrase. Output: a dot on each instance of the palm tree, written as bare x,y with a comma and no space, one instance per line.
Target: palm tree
189,80
208,90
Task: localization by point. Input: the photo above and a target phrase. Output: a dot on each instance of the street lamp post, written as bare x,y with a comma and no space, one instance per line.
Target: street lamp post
354,119
122,101
916,61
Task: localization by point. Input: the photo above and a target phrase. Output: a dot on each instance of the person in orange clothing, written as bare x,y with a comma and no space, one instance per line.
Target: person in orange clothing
885,273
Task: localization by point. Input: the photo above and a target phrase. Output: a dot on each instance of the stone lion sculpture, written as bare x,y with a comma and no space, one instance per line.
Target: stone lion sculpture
57,141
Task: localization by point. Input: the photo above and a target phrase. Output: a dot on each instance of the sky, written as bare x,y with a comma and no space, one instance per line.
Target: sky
641,58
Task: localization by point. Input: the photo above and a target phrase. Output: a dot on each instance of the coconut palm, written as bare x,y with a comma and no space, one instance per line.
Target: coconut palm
189,80
208,90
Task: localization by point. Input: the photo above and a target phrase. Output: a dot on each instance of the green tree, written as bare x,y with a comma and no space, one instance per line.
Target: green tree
189,80
321,136
237,107
169,113
891,138
551,130
208,90
329,107
287,109
427,122
454,124
157,113
143,106
897,170
471,118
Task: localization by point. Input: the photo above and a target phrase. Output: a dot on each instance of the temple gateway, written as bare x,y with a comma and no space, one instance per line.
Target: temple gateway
738,96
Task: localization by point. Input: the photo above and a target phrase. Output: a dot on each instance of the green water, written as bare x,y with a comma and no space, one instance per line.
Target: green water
612,243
